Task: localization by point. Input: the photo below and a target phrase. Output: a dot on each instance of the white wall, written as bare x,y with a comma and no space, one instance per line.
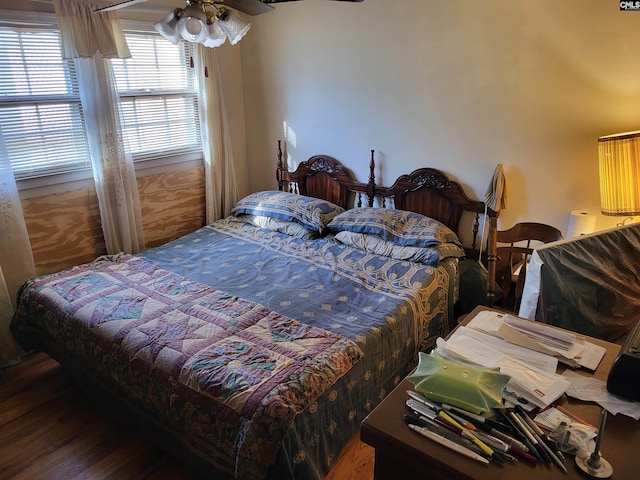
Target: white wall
459,85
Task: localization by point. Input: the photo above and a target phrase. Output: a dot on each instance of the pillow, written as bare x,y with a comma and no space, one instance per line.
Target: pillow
407,229
283,226
312,213
426,255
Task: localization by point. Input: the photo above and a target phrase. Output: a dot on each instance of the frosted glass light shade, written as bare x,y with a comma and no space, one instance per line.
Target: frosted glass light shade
193,24
234,26
167,27
619,157
215,36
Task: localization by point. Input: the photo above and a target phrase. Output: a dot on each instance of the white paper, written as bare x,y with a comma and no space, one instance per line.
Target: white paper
593,390
487,321
541,361
496,324
591,356
542,333
470,350
538,387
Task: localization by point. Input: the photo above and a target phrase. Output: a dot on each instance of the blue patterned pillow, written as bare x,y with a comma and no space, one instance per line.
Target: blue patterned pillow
426,255
407,229
312,213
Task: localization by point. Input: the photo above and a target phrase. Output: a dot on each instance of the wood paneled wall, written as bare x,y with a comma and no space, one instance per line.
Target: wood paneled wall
65,229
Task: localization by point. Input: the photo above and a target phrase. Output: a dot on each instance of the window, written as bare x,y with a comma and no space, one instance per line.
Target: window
41,120
158,97
41,117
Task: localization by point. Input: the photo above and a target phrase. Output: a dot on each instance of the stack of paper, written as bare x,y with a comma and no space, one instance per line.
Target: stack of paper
530,386
526,351
567,347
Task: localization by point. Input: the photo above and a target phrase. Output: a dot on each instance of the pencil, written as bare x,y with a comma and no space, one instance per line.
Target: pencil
574,416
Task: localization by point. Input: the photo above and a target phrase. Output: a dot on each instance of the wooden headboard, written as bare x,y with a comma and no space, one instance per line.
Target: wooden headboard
427,191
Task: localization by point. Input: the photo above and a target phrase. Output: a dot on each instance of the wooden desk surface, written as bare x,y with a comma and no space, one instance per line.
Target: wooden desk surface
401,453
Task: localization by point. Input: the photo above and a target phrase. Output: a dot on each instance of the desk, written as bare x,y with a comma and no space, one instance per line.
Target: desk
402,454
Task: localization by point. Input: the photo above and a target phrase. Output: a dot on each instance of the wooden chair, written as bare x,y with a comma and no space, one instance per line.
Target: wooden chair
508,258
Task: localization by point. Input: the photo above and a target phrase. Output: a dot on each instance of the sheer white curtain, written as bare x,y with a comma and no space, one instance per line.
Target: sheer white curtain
113,171
220,176
90,38
16,259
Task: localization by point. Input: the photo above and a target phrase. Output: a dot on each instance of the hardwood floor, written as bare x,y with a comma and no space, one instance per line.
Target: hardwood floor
50,430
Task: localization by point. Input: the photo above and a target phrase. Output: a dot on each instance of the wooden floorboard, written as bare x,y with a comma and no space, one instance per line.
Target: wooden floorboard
50,431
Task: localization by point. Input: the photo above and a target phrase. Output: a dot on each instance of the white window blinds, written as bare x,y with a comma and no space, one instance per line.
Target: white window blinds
41,120
158,97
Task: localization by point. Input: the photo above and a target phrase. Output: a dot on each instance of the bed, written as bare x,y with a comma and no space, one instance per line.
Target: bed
253,347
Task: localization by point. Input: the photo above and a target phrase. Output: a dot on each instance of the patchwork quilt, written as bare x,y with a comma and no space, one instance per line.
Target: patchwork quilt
208,361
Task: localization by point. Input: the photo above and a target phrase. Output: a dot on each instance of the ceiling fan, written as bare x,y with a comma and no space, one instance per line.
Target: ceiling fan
248,7
209,22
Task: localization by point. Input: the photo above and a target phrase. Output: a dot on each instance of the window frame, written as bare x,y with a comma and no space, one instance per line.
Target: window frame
83,178
143,161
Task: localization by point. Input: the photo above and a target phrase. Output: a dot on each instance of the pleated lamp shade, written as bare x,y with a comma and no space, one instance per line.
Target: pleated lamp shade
619,157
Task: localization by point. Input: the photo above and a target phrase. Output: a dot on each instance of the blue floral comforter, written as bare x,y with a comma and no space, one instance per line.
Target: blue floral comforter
246,342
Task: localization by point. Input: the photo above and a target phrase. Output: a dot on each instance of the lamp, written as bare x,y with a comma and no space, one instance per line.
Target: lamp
619,156
201,21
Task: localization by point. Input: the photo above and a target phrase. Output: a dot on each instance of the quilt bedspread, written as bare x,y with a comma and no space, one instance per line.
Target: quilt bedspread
236,373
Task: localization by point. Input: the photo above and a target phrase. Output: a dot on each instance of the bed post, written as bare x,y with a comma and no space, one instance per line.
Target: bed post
279,168
371,185
491,260
474,231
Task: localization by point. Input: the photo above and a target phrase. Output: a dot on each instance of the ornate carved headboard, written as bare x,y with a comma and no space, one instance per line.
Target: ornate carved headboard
427,191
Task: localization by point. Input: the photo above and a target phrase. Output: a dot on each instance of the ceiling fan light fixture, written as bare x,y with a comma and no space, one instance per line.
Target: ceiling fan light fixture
167,27
233,25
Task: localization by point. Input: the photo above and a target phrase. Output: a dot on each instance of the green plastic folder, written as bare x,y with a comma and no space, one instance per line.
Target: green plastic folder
475,389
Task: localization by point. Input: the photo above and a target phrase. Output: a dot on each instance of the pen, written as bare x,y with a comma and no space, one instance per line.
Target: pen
421,409
448,443
545,439
463,421
420,398
426,415
521,424
487,428
521,436
508,439
532,449
478,418
466,433
444,429
516,452
528,422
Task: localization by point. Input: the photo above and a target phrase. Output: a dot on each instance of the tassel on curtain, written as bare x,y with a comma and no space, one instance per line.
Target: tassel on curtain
89,38
16,259
220,178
